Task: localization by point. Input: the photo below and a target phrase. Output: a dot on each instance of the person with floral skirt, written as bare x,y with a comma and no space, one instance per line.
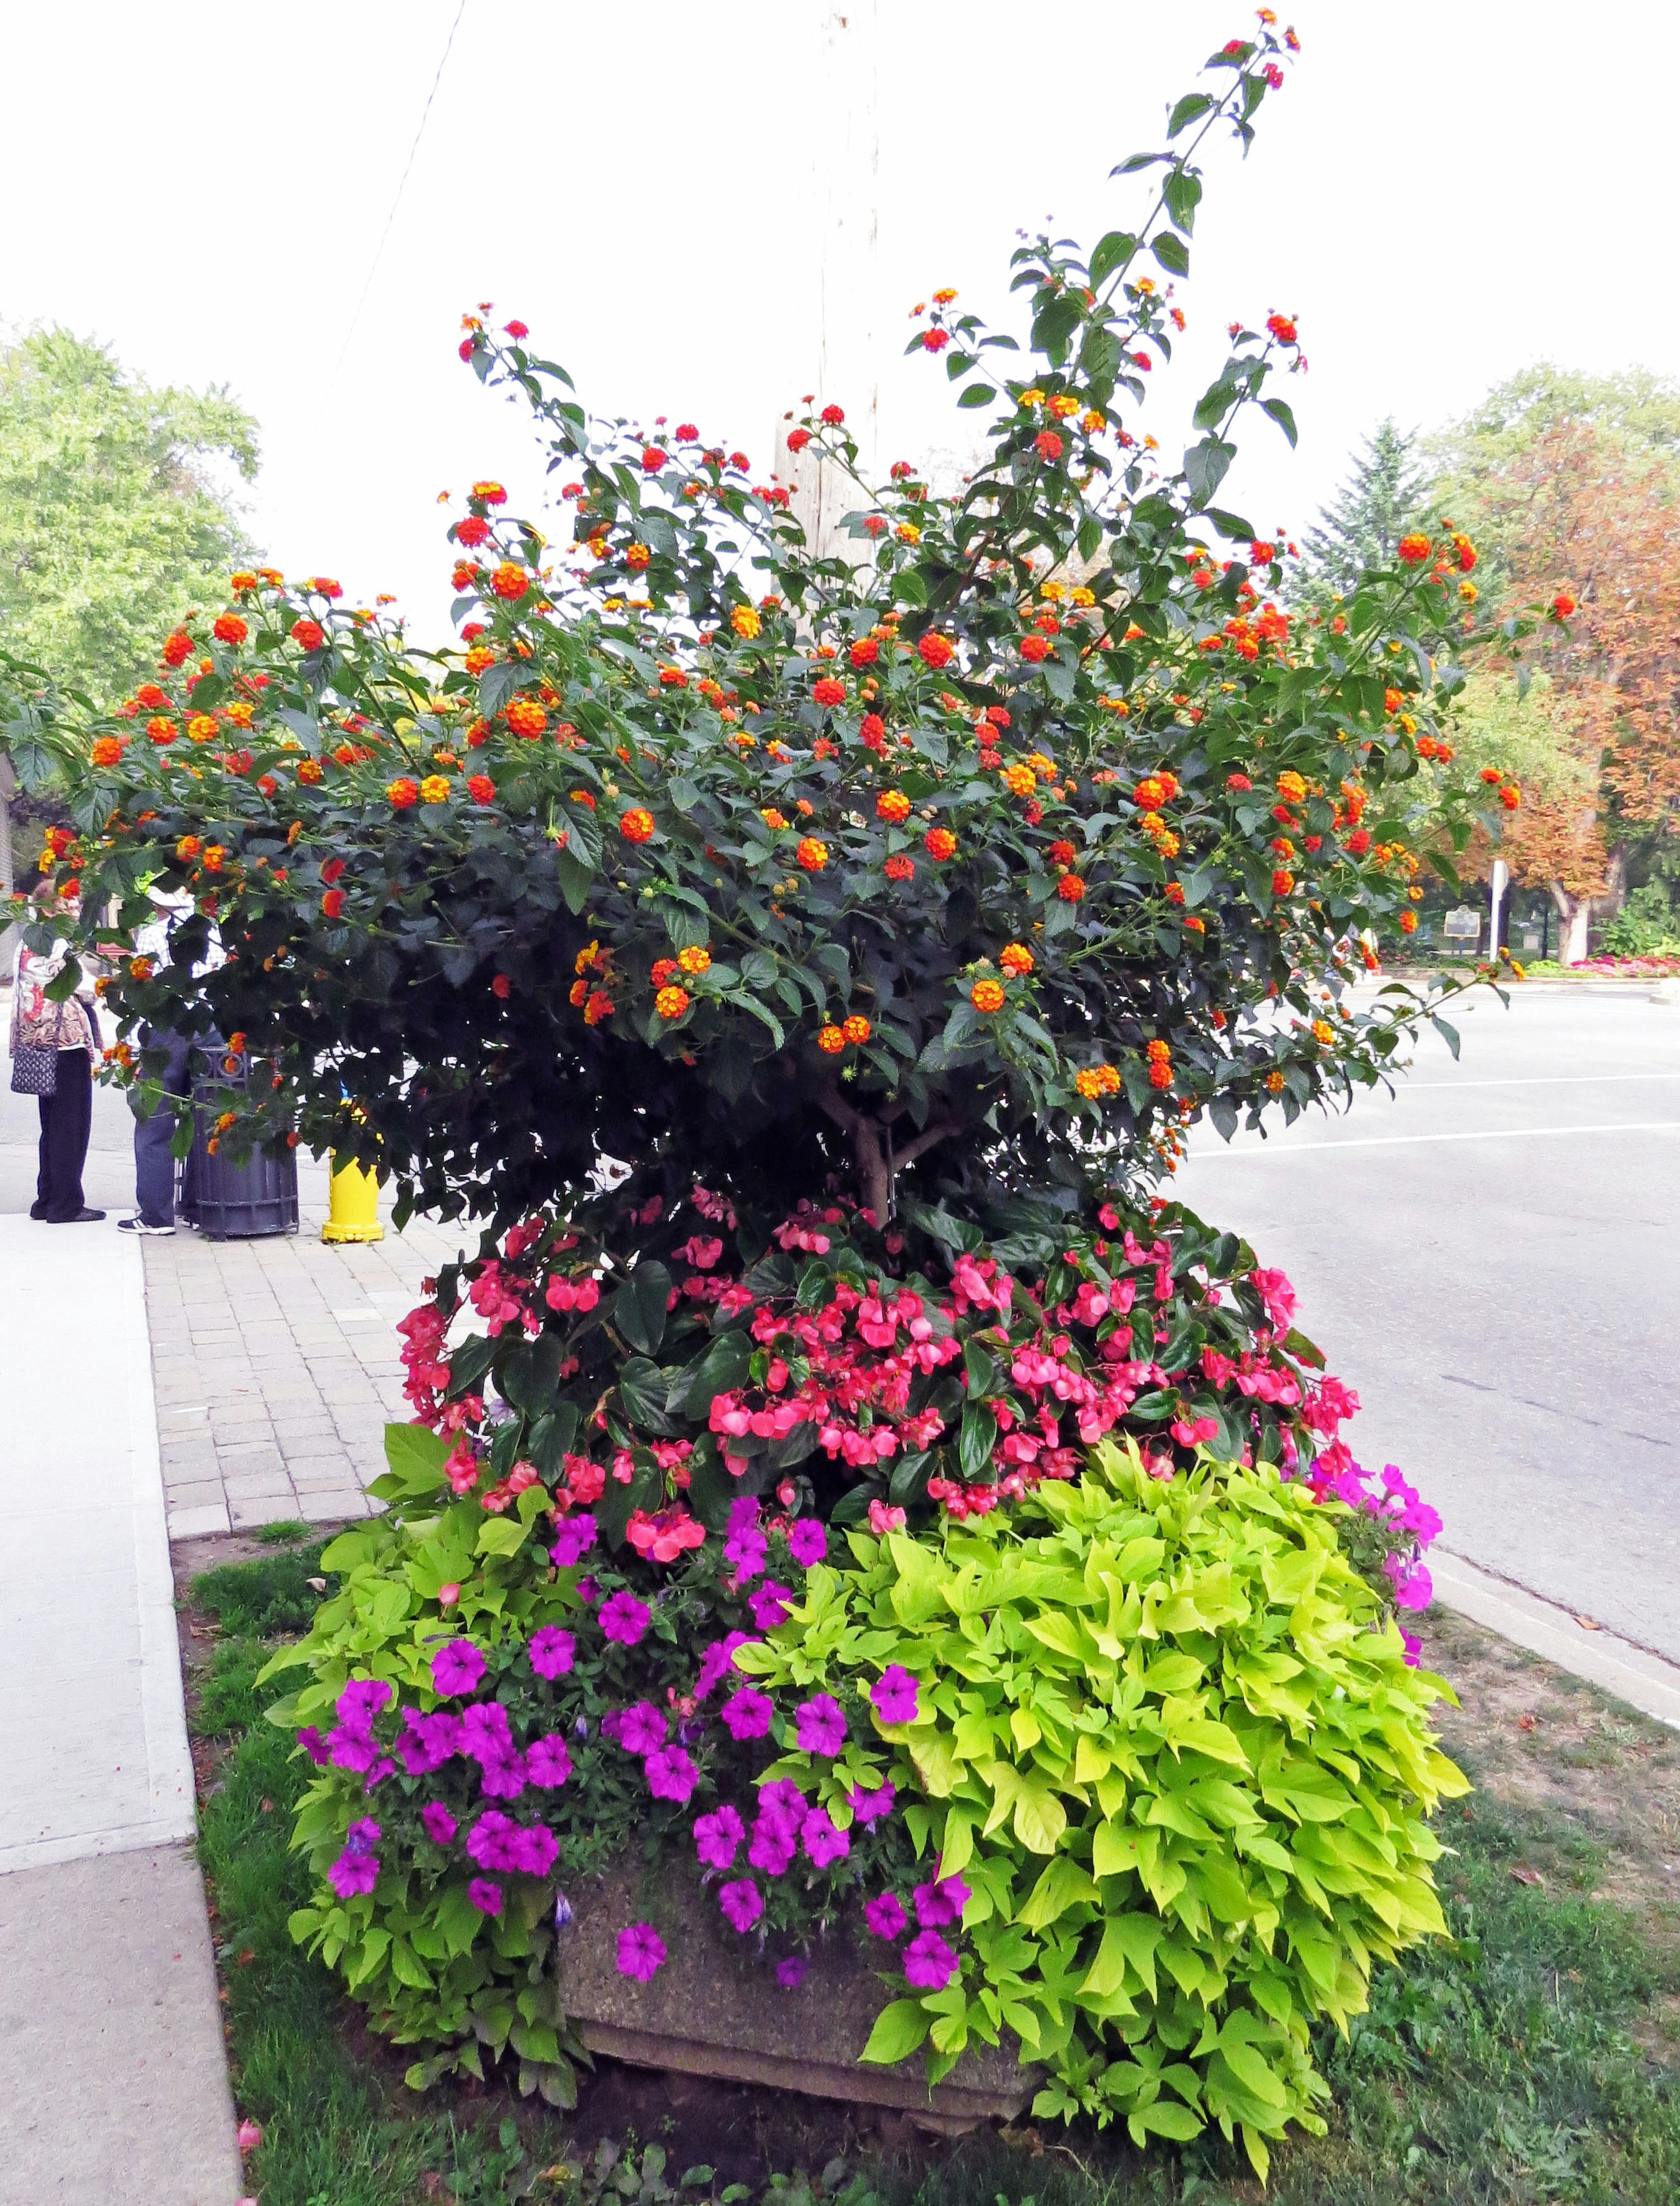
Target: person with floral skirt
66,1114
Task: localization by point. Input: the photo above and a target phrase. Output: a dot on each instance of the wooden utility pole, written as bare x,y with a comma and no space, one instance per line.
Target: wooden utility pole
841,50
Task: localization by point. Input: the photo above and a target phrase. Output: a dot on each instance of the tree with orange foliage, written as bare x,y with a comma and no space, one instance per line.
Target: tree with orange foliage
1581,512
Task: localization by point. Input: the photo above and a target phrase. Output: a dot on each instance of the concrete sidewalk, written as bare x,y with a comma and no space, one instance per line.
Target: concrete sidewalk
116,2083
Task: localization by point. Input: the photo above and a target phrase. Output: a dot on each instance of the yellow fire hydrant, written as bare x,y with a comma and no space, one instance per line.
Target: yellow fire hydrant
355,1211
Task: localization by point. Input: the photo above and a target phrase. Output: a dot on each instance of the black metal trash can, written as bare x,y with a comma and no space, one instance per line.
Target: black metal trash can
230,1201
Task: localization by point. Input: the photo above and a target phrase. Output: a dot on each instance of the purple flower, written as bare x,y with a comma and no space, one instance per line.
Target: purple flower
485,1735
377,1775
641,1952
940,1905
773,1841
361,1701
504,1779
535,1850
885,1916
790,1973
357,1868
717,1662
820,1724
349,1749
490,1842
808,1542
671,1774
718,1837
746,1713
782,1797
485,1896
1413,1587
744,1512
741,1903
929,1962
309,1739
552,1651
574,1536
746,1550
587,1592
893,1695
822,1842
770,1606
624,1619
428,1742
642,1729
1414,1647
548,1760
440,1826
870,1807
456,1668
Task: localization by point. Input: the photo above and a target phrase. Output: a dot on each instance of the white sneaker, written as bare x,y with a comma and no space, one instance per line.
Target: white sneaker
137,1224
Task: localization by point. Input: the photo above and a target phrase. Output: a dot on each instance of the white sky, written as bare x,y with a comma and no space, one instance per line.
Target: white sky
1442,194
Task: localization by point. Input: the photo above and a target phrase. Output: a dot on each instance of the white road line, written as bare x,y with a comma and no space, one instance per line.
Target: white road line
1540,1080
1404,1141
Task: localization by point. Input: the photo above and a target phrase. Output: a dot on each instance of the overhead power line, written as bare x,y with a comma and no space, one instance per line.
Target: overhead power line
385,234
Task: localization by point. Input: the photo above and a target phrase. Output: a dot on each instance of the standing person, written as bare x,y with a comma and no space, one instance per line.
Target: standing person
66,1113
154,1160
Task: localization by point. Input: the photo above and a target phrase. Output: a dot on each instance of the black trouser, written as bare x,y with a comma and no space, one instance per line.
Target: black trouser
67,1120
154,1166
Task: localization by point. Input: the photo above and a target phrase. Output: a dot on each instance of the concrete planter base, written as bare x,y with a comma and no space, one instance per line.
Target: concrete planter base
715,2008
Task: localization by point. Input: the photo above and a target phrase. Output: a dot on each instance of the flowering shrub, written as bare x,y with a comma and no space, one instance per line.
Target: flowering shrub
989,855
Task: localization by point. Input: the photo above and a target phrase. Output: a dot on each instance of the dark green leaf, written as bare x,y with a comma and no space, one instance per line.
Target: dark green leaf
1111,252
1280,413
1193,104
978,1439
1172,253
638,1307
977,394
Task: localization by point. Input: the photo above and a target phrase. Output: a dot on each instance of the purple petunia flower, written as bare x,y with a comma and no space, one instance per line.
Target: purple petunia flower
642,1729
309,1739
427,1742
885,1916
357,1868
349,1749
587,1592
745,1550
456,1668
929,1962
361,1701
746,1713
774,1837
717,1662
574,1536
822,1842
744,1512
870,1807
486,1735
552,1651
784,1798
1414,1586
671,1774
535,1850
378,1773
490,1841
808,1542
484,1895
820,1724
893,1695
791,1972
624,1619
641,1952
548,1760
740,1902
941,1903
770,1606
504,1779
718,1837
440,1826
1414,1647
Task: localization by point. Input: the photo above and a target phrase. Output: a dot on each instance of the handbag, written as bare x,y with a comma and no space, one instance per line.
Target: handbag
34,1069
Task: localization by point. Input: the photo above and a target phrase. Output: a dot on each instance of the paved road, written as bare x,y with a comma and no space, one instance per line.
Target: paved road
1492,1262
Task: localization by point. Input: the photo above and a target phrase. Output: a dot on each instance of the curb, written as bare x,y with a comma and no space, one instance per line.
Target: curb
1634,1674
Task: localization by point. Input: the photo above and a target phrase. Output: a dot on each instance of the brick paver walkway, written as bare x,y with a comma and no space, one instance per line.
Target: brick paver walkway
275,1365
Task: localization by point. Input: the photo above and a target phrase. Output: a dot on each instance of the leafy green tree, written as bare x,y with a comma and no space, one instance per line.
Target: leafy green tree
1383,496
112,524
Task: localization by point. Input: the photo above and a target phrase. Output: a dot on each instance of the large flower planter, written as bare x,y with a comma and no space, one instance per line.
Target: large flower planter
715,2008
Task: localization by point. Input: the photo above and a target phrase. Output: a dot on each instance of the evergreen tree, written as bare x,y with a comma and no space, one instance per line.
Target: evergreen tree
1382,498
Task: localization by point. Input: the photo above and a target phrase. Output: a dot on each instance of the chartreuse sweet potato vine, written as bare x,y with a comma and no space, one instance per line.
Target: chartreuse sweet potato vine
1184,1780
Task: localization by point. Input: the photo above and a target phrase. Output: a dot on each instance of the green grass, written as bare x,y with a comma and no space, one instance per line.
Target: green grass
1497,2069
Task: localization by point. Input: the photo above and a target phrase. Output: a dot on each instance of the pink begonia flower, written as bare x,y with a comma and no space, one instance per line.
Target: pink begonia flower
1278,1295
250,2135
